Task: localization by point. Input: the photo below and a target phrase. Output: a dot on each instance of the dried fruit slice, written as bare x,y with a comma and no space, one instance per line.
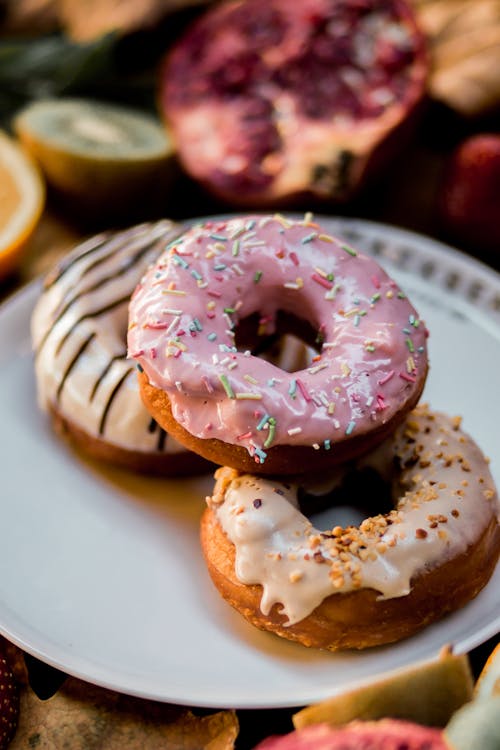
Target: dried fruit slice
268,100
426,694
103,158
22,197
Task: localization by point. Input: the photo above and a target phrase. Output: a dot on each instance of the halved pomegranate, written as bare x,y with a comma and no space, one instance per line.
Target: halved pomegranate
268,100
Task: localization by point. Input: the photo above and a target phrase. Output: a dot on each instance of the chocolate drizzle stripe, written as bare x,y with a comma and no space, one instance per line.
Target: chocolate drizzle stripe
162,434
111,398
136,258
116,358
104,242
65,265
72,364
162,439
133,261
127,241
94,314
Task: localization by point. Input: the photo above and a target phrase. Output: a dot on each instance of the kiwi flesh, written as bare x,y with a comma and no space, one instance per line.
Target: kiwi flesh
99,157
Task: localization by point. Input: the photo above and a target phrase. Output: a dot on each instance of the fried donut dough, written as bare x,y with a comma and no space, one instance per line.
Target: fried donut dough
238,410
374,584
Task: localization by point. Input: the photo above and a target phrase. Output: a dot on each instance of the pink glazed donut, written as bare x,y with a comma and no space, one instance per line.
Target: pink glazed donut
223,289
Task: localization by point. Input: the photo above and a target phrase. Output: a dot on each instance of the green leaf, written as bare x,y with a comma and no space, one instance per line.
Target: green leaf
52,66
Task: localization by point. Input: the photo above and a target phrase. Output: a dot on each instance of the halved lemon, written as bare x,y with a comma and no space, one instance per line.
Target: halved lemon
22,198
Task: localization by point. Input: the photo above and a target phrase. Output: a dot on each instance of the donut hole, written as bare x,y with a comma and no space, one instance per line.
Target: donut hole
288,341
358,495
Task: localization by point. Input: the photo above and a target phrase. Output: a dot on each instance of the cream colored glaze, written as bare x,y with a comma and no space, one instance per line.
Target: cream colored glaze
443,502
95,280
182,332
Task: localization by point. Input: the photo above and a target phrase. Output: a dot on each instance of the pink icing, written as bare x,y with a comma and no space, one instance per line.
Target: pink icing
184,314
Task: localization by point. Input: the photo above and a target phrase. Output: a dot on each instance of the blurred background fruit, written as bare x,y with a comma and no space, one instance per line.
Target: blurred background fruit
464,44
100,159
22,198
469,195
86,49
427,694
270,103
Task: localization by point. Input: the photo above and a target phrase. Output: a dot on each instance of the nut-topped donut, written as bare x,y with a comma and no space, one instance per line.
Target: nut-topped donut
84,379
199,383
363,585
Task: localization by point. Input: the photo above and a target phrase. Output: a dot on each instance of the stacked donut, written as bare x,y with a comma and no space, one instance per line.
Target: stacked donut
209,312
79,331
216,295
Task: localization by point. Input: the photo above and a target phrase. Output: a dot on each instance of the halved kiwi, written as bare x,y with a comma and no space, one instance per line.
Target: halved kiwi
103,158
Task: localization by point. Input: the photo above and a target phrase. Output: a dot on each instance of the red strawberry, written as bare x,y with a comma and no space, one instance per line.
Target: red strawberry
9,703
469,203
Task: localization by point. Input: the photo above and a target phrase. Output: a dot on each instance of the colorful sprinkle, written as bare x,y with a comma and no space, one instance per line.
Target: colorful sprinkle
386,378
244,436
350,427
302,388
260,455
265,419
179,261
272,430
349,249
227,387
320,280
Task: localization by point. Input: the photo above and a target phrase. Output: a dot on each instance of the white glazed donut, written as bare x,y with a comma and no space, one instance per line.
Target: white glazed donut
84,378
360,586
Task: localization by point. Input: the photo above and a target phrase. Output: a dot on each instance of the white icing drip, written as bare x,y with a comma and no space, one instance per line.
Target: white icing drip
127,422
275,543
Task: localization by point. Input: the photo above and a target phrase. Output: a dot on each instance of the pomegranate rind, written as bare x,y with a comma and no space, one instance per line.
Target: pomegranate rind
266,112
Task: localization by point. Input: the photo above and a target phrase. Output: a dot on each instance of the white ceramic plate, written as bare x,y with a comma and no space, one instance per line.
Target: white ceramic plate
101,573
